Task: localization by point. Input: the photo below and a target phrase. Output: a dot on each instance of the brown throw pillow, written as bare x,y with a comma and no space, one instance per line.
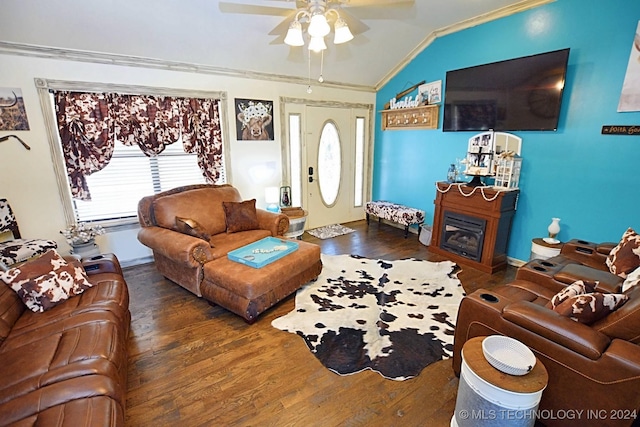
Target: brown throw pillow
579,287
625,257
192,228
588,308
241,216
46,281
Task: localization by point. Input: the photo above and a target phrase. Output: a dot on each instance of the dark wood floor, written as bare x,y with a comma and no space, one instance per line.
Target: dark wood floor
192,364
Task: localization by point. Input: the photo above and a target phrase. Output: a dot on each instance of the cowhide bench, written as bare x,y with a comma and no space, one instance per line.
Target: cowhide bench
394,212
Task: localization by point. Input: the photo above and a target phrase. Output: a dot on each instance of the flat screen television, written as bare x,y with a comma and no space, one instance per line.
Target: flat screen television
521,94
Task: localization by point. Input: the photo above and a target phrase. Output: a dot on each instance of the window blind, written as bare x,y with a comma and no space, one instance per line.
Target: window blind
130,176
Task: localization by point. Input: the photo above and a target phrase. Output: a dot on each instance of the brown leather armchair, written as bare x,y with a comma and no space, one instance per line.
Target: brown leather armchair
592,368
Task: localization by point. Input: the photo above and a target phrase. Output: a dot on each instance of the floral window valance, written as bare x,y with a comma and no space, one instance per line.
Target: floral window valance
89,124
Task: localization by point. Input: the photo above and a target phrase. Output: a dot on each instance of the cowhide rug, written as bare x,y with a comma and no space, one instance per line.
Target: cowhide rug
393,317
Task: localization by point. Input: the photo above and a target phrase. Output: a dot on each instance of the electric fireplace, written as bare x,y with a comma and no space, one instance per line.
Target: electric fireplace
463,235
471,225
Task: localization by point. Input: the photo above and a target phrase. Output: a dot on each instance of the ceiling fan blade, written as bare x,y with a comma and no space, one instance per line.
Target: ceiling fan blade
252,9
282,27
356,26
399,11
361,3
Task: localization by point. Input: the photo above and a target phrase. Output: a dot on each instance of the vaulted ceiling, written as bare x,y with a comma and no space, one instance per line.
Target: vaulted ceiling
222,37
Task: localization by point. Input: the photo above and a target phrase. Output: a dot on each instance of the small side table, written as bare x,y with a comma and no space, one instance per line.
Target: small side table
488,397
543,250
296,226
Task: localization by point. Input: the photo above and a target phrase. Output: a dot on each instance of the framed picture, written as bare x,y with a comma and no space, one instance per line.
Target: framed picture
430,93
13,115
480,154
254,120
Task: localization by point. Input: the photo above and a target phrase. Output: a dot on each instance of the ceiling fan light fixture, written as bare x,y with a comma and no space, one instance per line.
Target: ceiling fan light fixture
342,32
294,34
317,44
318,26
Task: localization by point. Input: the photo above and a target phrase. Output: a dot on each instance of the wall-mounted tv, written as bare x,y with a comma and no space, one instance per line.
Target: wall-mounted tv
521,94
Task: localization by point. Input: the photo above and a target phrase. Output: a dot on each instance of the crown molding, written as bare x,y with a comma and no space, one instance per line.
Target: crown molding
21,49
459,26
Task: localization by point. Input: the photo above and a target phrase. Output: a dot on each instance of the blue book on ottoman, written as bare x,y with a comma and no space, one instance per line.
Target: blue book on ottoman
263,252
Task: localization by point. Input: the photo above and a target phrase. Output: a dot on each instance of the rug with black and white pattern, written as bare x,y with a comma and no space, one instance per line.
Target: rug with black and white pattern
393,317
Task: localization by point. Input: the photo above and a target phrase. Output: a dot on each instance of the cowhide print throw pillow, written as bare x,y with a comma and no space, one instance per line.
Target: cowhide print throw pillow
192,228
632,280
588,308
625,257
579,287
46,281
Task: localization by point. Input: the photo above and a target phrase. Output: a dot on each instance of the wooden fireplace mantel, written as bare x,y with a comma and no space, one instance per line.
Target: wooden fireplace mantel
497,207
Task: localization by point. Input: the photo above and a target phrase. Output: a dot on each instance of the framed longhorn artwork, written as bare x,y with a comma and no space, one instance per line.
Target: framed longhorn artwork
254,120
13,115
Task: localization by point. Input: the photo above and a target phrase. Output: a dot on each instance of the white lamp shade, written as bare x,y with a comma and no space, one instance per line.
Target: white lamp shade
318,26
294,35
342,32
272,195
317,44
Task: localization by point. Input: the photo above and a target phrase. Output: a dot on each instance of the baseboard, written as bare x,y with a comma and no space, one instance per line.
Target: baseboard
136,261
515,262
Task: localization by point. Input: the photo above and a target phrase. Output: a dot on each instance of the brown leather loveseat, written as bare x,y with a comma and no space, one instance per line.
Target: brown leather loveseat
192,228
594,367
67,365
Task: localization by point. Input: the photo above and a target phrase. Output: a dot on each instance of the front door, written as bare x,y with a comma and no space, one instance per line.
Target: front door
334,155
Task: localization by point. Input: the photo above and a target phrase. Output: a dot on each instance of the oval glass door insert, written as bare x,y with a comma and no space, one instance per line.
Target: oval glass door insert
329,163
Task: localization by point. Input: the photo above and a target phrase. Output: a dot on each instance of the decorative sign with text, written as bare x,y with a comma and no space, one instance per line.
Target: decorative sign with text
620,130
407,102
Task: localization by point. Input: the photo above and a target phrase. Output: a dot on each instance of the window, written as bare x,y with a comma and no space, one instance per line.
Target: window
295,153
117,189
130,176
329,163
359,166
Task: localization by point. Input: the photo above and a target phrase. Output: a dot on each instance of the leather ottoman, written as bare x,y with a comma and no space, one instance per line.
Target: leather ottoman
248,291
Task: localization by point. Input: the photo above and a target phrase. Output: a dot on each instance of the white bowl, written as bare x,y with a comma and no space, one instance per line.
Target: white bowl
508,355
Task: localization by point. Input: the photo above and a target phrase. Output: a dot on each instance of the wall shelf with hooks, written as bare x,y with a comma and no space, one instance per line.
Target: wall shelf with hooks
423,117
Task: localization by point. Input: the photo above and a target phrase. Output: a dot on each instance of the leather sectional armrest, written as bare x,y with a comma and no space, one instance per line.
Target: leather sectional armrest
176,246
608,283
586,253
276,223
605,248
563,331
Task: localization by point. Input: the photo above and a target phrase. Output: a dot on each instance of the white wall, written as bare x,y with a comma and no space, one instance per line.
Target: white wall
27,178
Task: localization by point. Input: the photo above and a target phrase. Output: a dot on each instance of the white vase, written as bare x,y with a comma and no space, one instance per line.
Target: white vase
85,249
553,229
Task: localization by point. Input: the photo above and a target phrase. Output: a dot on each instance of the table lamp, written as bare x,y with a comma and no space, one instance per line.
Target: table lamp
272,197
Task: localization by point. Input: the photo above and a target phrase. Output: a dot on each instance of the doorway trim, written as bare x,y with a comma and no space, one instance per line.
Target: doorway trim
284,142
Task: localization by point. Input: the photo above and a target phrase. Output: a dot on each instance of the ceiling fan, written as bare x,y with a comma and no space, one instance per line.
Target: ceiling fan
328,13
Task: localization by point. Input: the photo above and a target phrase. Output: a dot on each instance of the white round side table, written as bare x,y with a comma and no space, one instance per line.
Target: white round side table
543,250
488,397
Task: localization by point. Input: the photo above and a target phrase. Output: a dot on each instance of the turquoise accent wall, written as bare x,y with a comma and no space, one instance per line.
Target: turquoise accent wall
585,178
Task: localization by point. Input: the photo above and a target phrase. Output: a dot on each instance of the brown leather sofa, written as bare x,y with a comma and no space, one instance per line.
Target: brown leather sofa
200,265
578,260
593,368
67,366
